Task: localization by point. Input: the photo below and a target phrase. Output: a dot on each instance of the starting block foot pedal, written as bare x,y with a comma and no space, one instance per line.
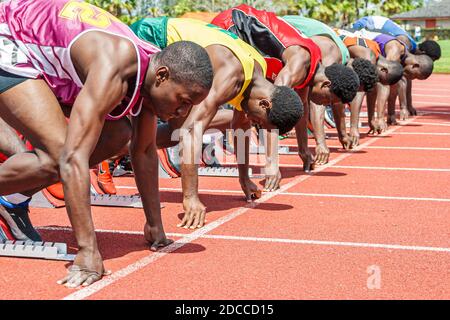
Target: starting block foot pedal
40,250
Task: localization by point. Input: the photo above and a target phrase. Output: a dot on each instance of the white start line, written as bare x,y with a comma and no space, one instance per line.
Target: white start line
280,240
305,194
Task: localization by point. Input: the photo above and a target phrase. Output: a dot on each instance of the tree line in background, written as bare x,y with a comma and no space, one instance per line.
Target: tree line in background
334,12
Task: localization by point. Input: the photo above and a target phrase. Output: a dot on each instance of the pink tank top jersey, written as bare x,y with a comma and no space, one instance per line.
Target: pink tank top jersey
45,30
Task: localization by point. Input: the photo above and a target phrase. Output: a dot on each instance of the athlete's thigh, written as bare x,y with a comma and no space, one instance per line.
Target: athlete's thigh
115,135
33,110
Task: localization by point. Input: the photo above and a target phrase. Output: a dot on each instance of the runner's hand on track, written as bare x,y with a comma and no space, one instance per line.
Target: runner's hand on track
412,111
377,126
322,154
391,120
272,182
194,214
250,189
156,237
354,137
345,141
308,161
86,269
404,114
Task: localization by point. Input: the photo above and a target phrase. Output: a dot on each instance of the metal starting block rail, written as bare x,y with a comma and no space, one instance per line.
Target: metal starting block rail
39,250
109,200
283,150
220,172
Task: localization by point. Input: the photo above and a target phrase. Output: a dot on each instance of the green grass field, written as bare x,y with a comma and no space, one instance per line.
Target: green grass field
443,64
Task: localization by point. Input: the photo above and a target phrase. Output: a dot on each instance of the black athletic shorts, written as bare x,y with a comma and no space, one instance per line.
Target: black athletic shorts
9,80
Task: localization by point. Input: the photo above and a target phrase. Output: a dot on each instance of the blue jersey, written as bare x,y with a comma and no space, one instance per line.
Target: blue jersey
384,25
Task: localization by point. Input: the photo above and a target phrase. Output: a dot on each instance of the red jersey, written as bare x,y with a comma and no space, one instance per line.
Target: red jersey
269,35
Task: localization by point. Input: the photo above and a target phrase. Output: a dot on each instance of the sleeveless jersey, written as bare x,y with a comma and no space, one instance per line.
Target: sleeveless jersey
311,27
270,35
384,25
351,39
44,31
381,39
178,29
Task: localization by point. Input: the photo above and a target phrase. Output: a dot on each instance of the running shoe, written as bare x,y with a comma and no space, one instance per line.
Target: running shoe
121,167
105,179
56,190
18,221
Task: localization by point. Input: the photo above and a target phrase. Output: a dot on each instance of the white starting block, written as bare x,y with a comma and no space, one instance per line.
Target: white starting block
39,250
284,150
45,200
109,200
220,172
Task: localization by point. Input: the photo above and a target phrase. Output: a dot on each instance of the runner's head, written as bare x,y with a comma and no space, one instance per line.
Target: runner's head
274,107
418,67
184,76
333,84
389,72
431,48
367,73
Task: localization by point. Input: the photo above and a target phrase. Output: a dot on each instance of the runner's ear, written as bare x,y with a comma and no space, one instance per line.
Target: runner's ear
162,74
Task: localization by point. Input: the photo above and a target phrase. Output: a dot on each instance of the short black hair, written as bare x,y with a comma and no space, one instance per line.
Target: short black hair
431,48
426,65
395,71
287,109
188,63
367,73
344,81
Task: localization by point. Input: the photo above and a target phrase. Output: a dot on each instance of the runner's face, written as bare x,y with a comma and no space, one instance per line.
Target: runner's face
323,96
174,100
411,72
383,76
256,114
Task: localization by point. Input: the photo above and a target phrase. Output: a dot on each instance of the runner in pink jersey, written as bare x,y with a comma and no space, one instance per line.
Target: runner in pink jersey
69,55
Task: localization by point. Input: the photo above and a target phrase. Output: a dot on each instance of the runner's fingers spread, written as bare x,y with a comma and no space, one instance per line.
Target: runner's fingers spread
77,279
183,221
189,220
91,279
196,221
267,184
65,279
270,186
202,219
275,184
160,244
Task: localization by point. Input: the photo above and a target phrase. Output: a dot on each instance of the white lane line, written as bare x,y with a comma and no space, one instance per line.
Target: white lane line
154,256
281,240
327,195
395,169
356,196
423,112
433,103
383,147
431,95
423,133
426,88
444,124
409,148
